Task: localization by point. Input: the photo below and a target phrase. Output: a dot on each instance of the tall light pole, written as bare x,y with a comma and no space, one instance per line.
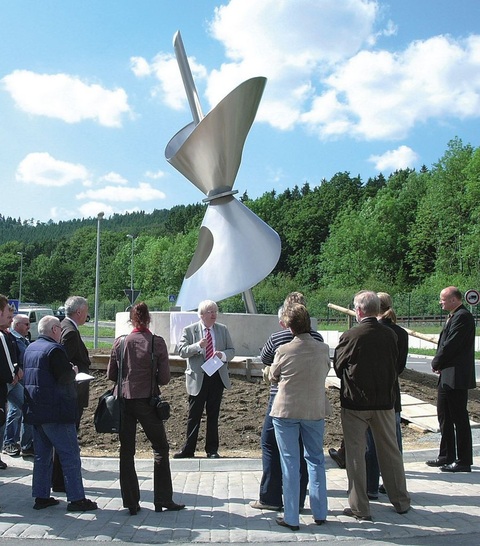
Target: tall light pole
131,266
97,282
21,278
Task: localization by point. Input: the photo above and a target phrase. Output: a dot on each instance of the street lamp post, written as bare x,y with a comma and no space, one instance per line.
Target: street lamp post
21,278
97,282
131,263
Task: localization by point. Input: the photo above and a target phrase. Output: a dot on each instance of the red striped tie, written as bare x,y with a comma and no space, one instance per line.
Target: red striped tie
209,347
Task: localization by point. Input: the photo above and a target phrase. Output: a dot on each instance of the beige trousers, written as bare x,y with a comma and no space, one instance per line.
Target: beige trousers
382,424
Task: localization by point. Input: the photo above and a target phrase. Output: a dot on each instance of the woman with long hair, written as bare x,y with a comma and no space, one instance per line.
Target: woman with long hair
388,318
145,366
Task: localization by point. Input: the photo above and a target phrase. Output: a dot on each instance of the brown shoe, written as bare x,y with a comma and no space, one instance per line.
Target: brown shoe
262,506
349,512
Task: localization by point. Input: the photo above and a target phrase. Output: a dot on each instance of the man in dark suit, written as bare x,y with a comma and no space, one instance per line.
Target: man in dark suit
455,364
200,341
365,360
76,312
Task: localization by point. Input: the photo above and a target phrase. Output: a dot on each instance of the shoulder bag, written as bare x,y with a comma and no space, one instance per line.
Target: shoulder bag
162,408
108,413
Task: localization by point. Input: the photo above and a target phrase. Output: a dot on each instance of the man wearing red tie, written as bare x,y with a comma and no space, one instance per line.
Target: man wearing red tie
200,342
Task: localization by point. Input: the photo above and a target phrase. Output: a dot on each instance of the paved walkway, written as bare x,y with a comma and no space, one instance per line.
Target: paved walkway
217,493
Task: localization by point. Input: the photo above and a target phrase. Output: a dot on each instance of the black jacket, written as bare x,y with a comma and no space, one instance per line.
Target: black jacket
365,360
455,357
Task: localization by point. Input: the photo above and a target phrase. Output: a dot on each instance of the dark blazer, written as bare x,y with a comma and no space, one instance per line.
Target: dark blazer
78,355
402,344
455,357
188,348
365,360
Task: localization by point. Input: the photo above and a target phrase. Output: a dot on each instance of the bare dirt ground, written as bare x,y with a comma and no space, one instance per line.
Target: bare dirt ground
242,415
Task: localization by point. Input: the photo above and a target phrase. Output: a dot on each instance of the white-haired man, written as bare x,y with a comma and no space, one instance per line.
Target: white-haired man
51,407
200,342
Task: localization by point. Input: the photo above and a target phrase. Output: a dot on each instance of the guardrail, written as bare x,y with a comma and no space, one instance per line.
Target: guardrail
245,366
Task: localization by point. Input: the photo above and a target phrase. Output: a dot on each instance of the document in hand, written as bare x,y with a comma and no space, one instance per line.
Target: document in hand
211,365
83,377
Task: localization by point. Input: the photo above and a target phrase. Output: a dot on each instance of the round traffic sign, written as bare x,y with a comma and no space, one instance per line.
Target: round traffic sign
472,297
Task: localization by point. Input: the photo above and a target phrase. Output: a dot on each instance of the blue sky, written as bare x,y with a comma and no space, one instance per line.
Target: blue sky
90,94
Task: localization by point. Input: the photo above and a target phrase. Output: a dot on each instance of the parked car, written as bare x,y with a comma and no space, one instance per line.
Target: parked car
60,313
34,313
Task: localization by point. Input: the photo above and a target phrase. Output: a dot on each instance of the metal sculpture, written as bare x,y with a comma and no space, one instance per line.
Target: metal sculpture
236,249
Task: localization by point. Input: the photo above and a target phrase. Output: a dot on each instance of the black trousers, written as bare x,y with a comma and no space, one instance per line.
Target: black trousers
456,434
139,411
210,399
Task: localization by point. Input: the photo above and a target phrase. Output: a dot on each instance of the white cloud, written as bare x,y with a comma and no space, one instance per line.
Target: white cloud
324,75
401,158
92,208
143,192
42,169
140,67
165,69
155,175
114,178
384,95
66,97
291,43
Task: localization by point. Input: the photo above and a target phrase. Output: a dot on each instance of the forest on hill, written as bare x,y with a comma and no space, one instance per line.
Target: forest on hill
409,234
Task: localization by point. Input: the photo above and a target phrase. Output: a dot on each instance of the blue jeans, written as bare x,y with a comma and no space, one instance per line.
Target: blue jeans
63,438
271,482
287,432
373,470
15,430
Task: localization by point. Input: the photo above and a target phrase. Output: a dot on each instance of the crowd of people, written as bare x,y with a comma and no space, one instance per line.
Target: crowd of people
41,402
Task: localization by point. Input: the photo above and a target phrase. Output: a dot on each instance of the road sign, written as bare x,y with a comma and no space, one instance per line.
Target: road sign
472,297
172,298
132,295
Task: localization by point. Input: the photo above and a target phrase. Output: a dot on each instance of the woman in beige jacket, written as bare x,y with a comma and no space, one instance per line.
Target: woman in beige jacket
300,407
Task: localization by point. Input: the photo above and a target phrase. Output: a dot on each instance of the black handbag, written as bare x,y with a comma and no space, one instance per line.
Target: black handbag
107,418
162,408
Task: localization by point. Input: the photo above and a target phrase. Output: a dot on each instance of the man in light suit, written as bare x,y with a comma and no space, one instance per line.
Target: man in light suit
455,364
205,392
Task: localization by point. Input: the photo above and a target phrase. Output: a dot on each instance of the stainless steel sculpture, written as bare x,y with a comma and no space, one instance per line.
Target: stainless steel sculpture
236,249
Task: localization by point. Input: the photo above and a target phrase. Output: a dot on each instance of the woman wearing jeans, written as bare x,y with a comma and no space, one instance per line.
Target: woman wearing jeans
300,407
145,362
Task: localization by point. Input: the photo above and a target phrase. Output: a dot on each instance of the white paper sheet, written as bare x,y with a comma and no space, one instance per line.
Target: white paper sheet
83,377
211,365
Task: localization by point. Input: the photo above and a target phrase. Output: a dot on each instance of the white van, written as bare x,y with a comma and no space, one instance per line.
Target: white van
34,313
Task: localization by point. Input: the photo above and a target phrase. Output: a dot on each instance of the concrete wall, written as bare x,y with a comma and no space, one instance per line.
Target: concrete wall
249,332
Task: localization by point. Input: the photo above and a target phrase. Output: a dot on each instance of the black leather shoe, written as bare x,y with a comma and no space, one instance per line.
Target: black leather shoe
437,462
213,455
40,503
337,457
283,523
134,510
172,506
182,455
456,467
